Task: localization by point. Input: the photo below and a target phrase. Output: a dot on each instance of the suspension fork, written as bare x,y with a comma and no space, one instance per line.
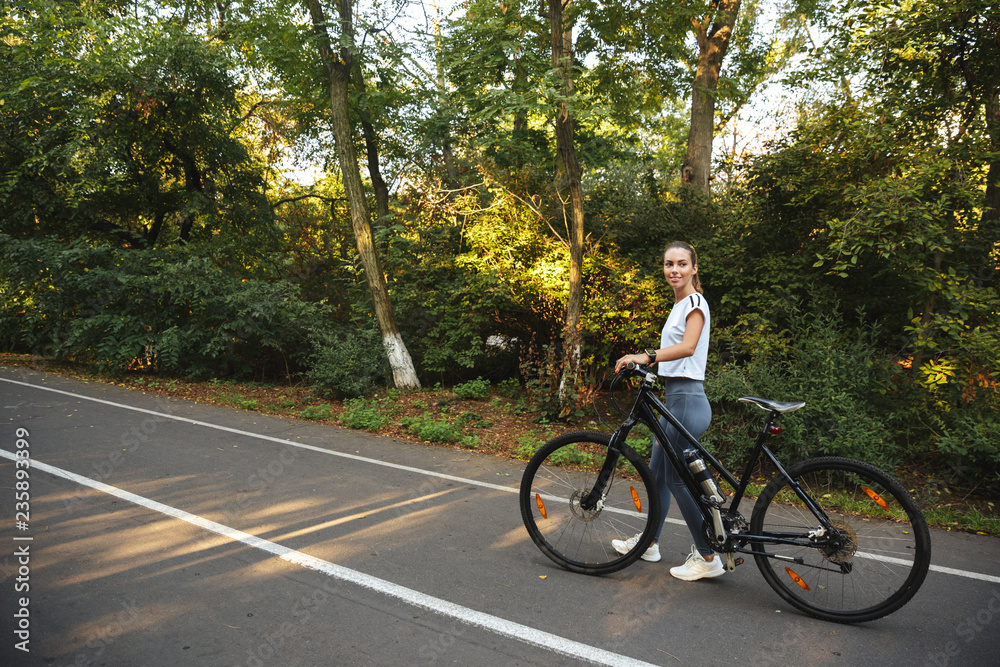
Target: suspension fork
608,469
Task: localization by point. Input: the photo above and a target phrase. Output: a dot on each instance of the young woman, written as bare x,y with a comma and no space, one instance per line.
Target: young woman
681,360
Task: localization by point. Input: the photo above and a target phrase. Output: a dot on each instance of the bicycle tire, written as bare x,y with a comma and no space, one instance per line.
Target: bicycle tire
560,474
885,552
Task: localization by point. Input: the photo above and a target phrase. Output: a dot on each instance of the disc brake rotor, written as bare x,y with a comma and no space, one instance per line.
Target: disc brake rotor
577,508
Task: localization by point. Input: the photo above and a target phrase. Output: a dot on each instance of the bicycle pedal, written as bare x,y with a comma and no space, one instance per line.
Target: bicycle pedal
732,562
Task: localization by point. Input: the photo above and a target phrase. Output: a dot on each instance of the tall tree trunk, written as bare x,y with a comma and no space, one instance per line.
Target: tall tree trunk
339,74
371,149
193,184
443,126
568,179
713,41
989,222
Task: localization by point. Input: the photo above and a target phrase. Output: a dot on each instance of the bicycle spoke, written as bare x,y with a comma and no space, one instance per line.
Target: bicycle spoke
557,481
868,565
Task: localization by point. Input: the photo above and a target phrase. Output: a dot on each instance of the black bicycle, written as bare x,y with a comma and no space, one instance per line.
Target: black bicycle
836,538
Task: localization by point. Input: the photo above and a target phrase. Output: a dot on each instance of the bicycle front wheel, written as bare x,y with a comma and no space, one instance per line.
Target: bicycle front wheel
872,564
554,490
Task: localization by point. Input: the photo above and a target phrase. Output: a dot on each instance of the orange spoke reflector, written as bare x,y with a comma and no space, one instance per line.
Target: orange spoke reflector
541,505
876,497
635,498
797,579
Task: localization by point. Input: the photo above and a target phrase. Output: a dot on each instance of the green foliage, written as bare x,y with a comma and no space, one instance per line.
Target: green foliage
316,412
364,415
429,429
508,387
527,445
474,420
124,129
347,362
474,390
496,60
973,438
641,440
571,456
174,310
839,372
445,304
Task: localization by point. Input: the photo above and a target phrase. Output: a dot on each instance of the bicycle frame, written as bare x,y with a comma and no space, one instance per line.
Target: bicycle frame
836,538
648,408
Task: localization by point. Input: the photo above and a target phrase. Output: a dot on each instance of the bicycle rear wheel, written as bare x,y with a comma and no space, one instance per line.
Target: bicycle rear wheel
877,558
555,484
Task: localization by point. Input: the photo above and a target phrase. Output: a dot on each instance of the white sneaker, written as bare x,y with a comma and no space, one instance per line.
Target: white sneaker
696,567
624,546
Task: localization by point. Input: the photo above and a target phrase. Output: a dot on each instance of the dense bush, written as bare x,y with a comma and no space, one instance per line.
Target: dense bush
173,310
845,380
347,362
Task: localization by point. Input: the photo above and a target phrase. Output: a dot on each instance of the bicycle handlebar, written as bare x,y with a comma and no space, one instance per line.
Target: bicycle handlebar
632,369
638,370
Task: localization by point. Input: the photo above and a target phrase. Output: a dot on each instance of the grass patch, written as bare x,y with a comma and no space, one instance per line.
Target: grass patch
474,420
527,445
363,415
316,412
429,429
473,390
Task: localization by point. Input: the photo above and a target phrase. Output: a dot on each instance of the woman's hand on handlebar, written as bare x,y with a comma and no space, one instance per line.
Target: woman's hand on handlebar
637,359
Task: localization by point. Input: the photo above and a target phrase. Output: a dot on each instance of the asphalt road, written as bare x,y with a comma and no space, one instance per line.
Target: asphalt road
165,532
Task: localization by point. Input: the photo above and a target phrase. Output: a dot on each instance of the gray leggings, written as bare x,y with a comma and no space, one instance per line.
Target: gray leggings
687,401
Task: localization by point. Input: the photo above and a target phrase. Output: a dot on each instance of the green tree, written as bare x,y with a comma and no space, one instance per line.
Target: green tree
923,149
339,64
887,187
655,53
137,138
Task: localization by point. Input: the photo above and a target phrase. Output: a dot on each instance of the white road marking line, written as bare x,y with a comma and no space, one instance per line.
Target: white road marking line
965,573
259,436
510,629
420,471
